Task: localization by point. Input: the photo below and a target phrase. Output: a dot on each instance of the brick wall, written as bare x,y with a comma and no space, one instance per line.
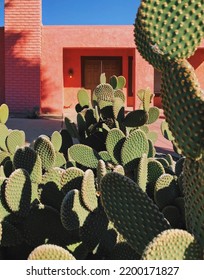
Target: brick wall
22,54
2,78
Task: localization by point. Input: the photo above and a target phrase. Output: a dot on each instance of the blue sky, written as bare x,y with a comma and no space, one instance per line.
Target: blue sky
105,12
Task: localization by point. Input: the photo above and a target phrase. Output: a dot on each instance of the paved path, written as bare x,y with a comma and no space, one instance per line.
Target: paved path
35,127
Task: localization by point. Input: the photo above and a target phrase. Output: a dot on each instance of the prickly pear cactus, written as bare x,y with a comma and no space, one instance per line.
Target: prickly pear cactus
50,252
166,35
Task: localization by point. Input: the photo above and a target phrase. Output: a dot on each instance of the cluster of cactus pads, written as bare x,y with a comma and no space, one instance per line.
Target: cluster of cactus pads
111,195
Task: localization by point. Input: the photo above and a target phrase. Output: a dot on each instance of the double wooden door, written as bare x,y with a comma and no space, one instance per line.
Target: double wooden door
93,67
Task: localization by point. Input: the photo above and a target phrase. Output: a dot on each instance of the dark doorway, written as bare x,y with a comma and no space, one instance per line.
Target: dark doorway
92,67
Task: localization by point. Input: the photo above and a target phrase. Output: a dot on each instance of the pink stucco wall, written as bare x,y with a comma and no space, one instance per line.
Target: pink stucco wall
77,40
22,54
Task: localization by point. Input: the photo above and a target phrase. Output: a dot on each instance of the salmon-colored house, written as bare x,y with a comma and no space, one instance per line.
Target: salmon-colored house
45,66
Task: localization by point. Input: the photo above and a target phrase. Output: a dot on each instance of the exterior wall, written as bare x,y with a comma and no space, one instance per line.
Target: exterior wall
22,54
2,66
78,40
144,76
197,61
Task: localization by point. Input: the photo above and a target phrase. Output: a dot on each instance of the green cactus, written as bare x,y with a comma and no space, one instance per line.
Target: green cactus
4,132
166,35
141,172
71,128
56,140
185,124
88,191
173,244
4,113
114,81
166,190
123,251
43,225
18,192
135,145
152,150
71,179
46,151
50,252
73,213
93,228
160,30
101,172
119,169
138,220
136,118
165,26
166,131
84,155
121,82
114,142
105,156
155,170
104,92
14,140
83,98
118,93
28,159
103,78
9,235
153,115
173,215
118,109
193,181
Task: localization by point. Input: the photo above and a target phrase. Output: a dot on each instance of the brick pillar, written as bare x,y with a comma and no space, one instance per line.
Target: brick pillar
22,54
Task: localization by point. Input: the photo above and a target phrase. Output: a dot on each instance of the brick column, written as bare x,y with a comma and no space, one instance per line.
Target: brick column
22,54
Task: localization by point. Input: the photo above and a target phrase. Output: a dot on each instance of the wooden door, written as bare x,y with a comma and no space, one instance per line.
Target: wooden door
92,67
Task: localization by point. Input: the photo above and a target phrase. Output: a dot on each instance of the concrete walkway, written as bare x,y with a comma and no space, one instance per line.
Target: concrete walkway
35,127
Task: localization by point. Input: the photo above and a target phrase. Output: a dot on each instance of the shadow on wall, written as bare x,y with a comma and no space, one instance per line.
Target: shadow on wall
19,70
8,3
49,90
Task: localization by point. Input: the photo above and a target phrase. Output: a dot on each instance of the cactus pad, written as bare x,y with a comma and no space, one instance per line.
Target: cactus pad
56,139
73,214
9,235
136,118
88,191
18,192
28,159
4,113
50,252
166,190
135,145
173,244
84,155
186,124
173,30
114,142
94,227
71,179
46,151
83,98
104,92
141,173
193,181
15,139
138,213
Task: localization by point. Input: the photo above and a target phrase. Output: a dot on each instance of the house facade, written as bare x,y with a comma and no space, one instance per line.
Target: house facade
45,66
